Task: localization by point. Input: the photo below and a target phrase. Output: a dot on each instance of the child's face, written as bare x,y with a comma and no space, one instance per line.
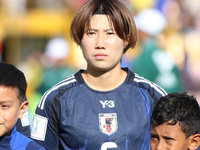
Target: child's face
168,137
10,110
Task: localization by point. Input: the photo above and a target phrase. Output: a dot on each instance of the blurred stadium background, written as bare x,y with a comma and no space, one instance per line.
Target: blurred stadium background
34,36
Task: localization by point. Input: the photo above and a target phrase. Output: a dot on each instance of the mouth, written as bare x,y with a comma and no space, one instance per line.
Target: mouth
100,56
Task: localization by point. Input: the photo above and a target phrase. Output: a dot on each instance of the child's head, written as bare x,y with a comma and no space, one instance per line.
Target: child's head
117,13
12,94
175,123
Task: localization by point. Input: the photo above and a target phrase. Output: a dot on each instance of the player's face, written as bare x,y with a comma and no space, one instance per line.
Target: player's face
168,137
101,46
10,110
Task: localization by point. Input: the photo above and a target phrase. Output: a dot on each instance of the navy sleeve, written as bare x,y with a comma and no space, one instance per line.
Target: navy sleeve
25,130
44,131
34,146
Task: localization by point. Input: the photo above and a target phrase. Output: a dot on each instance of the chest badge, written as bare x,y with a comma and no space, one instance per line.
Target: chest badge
108,123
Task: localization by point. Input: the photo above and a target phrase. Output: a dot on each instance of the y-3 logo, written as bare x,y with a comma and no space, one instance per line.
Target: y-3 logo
108,103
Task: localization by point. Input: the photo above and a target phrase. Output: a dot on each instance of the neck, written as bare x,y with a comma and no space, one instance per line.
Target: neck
104,80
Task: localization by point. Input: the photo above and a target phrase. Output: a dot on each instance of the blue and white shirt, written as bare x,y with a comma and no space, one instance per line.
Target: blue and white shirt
72,116
17,141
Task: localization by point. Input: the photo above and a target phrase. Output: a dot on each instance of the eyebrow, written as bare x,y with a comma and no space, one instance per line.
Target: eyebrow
167,137
106,30
6,101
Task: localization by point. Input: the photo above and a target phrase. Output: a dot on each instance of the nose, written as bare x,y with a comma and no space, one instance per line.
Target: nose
100,42
160,145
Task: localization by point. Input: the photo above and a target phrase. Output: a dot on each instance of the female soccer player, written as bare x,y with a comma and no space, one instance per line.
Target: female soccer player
104,106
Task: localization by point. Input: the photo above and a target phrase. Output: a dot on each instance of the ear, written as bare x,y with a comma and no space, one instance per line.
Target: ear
23,108
126,42
194,141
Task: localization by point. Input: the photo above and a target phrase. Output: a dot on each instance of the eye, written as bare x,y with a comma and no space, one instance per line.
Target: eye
169,139
91,33
110,33
154,138
5,106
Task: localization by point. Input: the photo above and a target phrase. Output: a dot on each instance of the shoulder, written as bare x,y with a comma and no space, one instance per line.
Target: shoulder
57,89
144,85
20,141
149,86
32,145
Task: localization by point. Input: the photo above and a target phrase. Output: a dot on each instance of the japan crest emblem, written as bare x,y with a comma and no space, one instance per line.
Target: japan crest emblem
108,123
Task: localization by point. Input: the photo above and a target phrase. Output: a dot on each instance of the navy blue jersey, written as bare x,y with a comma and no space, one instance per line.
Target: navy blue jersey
72,116
17,141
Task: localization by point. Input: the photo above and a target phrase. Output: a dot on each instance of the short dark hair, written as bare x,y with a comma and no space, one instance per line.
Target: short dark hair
178,108
11,77
118,14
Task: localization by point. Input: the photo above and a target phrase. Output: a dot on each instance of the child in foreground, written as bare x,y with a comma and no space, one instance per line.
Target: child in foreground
12,106
175,123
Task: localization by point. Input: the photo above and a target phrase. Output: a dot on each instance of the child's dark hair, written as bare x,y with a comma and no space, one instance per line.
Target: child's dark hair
11,77
178,108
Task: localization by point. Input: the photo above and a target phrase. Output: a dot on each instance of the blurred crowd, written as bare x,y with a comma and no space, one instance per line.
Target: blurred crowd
173,43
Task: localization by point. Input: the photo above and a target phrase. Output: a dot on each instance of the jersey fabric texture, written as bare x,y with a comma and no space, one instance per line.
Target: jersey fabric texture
25,130
17,141
72,116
